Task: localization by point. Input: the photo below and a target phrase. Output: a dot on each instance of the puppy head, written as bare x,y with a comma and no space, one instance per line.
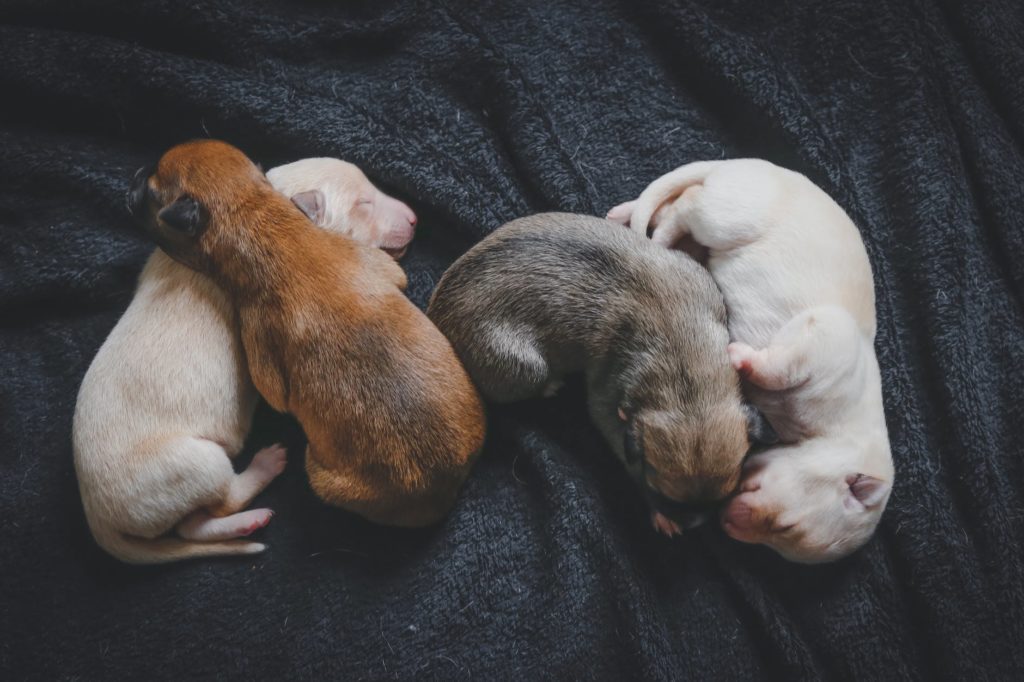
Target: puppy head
686,463
810,503
181,202
337,196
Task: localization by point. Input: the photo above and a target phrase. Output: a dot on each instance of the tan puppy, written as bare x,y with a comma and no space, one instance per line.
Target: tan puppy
392,419
798,287
168,401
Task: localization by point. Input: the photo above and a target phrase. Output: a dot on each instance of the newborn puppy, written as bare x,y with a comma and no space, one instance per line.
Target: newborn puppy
167,402
552,294
798,287
337,196
393,421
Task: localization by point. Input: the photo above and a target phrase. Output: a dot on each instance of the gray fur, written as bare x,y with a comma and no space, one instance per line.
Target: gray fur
554,294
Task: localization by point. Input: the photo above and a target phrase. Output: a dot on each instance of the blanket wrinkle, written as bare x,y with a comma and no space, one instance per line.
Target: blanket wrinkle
909,113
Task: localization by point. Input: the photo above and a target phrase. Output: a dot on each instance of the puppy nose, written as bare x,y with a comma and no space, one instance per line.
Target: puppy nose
738,514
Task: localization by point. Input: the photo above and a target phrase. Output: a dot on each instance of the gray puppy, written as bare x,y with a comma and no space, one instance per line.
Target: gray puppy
554,294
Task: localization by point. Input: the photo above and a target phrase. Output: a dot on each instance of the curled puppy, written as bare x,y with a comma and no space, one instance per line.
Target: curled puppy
167,402
798,286
553,294
393,421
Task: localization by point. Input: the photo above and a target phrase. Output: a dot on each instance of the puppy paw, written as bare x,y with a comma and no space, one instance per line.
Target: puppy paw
622,213
248,522
742,357
270,461
665,525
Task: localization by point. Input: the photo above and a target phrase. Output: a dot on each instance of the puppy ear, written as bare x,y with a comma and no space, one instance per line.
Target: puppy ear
868,490
759,430
311,203
185,215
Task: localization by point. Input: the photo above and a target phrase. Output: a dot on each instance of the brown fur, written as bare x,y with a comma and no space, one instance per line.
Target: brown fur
392,419
554,294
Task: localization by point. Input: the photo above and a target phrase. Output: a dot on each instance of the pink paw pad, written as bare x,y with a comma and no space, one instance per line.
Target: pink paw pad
741,357
260,521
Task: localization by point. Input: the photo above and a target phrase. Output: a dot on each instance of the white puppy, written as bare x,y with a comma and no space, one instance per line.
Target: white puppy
336,195
799,292
167,402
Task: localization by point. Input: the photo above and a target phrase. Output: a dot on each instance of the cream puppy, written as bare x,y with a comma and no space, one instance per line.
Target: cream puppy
336,195
168,401
798,288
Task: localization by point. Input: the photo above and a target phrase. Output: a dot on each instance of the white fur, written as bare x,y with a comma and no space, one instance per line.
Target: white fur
168,401
798,288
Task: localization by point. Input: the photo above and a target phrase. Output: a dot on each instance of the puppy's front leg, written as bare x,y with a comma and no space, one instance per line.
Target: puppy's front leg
263,352
770,368
820,342
781,365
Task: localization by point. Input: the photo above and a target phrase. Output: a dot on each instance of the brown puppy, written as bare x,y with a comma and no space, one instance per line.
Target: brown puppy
555,294
392,419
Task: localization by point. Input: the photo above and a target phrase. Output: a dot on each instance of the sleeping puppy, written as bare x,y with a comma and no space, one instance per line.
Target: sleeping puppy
392,419
798,287
167,402
336,195
553,294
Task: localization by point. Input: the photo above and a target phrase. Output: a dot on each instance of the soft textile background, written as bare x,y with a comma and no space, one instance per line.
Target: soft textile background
910,113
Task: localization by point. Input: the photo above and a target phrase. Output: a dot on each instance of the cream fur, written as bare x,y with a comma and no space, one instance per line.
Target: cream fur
798,287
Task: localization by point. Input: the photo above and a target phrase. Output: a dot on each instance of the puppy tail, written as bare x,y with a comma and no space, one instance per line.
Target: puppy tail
668,186
135,550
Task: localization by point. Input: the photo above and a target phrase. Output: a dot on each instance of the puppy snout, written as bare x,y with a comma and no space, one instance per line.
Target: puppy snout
400,226
404,223
738,514
742,521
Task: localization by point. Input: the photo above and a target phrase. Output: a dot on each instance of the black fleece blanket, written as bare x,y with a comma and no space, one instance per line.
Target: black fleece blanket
909,112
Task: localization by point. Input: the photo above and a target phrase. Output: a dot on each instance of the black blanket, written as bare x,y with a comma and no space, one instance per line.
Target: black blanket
909,112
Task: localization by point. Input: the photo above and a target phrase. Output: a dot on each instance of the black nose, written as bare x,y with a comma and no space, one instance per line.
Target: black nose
135,200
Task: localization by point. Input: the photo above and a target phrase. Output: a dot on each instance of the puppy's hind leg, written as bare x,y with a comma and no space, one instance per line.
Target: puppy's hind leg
264,468
221,522
204,527
622,213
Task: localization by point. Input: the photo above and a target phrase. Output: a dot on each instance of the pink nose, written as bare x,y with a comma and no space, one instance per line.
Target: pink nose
738,515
